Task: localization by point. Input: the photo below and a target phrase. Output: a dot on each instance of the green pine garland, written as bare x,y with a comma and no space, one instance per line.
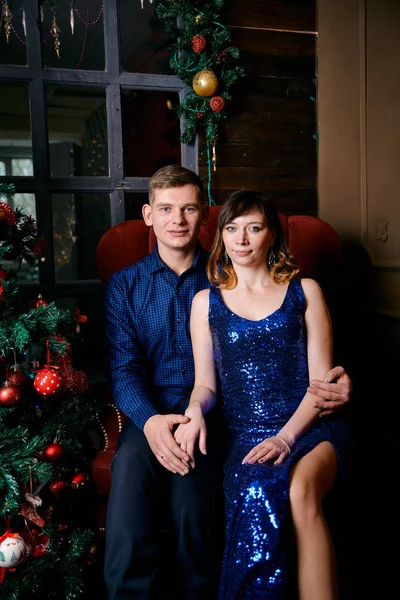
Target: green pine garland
195,24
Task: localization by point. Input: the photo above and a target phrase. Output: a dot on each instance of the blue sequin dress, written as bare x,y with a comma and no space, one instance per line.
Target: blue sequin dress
263,372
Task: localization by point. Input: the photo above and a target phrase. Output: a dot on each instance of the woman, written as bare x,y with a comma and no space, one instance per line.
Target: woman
268,333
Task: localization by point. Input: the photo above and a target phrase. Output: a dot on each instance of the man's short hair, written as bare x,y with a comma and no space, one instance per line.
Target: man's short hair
175,176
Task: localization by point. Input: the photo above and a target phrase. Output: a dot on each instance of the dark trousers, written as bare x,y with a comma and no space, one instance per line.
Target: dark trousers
143,494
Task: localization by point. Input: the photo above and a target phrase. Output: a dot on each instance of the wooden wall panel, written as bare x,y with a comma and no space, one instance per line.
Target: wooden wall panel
280,14
268,140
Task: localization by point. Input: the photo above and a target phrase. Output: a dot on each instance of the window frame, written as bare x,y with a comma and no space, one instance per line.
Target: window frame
41,184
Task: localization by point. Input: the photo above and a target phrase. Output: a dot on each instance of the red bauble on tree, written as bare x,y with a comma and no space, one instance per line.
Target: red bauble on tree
75,382
198,43
217,104
53,452
57,487
17,378
9,395
48,382
39,301
80,480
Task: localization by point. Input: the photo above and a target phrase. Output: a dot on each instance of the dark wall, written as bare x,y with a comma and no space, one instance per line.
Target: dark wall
268,140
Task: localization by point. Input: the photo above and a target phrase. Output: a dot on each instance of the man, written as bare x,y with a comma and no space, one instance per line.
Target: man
147,310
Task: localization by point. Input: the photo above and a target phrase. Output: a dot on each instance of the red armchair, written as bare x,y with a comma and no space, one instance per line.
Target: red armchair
315,245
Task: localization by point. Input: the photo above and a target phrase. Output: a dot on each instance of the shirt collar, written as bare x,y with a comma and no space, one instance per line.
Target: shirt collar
200,258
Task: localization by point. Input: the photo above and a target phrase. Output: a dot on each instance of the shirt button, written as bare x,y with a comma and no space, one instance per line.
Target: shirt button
177,291
179,320
180,347
183,370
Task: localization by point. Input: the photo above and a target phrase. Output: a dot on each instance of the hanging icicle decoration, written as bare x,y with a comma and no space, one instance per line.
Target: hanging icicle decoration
72,19
6,16
24,21
142,2
55,32
42,13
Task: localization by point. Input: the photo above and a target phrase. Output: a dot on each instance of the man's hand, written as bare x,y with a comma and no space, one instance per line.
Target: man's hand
158,432
334,392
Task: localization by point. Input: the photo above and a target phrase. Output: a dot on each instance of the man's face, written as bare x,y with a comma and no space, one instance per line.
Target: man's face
176,215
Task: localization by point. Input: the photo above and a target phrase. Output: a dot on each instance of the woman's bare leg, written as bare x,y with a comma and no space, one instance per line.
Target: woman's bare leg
311,479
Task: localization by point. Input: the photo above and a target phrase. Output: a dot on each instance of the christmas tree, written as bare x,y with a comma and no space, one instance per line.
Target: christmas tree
46,407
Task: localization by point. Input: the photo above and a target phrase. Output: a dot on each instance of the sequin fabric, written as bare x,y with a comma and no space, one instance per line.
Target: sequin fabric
263,371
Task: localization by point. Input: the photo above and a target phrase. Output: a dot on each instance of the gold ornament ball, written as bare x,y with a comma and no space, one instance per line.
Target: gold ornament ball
205,83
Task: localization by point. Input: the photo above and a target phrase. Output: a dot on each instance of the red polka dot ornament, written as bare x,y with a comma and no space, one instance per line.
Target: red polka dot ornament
48,381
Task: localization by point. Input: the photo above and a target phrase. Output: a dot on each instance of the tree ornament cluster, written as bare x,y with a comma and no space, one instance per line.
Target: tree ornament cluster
45,414
203,58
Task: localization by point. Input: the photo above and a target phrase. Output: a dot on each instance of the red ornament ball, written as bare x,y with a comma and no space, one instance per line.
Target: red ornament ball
57,487
17,378
199,115
39,301
7,214
198,43
53,452
48,382
217,104
79,480
75,382
9,395
3,274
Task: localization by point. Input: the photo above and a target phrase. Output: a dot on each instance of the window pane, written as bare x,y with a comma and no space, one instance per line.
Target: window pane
77,125
144,45
15,124
27,202
88,352
80,35
151,130
79,220
26,273
133,204
21,166
13,52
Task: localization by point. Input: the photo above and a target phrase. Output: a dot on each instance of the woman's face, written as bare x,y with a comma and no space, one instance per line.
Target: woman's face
247,239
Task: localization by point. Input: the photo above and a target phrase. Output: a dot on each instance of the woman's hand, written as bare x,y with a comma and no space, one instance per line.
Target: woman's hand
186,435
271,448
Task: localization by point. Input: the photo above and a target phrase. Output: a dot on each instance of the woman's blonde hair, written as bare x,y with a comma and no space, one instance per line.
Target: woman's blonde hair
221,272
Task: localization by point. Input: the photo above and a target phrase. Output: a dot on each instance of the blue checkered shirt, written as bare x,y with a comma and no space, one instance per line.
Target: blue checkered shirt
147,314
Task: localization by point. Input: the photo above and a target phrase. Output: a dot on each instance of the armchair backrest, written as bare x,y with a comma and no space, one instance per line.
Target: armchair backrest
315,245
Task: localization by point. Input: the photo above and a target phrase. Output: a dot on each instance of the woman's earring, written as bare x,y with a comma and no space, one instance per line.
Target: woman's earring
271,258
226,258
